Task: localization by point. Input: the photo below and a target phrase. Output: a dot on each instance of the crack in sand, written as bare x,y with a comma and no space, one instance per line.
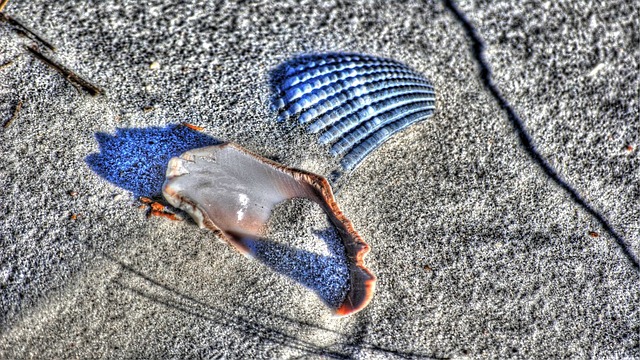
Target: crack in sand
477,49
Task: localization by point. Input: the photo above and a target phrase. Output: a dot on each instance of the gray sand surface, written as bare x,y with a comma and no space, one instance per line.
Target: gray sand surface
478,254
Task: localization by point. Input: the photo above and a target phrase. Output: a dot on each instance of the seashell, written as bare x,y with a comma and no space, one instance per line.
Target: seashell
354,102
232,192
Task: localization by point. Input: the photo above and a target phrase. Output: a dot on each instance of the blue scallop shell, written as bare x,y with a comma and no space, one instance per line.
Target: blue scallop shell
354,102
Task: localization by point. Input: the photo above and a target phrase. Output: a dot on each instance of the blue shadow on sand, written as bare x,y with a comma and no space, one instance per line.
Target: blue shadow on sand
327,276
135,159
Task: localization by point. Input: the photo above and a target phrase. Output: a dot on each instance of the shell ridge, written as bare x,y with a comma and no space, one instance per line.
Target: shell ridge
372,142
367,128
346,123
325,59
349,93
354,102
304,88
348,83
369,98
333,68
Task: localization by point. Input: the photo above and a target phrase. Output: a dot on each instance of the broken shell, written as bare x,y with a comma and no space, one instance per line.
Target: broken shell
357,102
232,192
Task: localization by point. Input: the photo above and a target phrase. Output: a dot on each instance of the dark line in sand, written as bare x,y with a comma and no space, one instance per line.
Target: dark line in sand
185,303
240,322
14,116
69,75
477,49
24,30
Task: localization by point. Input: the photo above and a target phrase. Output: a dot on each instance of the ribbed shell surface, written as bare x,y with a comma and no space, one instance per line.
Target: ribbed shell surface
354,102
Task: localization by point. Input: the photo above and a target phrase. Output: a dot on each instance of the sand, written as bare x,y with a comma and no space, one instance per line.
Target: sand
478,253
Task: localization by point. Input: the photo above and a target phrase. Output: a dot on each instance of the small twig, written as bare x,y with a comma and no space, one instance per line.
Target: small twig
3,3
72,77
2,66
22,29
192,127
14,116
